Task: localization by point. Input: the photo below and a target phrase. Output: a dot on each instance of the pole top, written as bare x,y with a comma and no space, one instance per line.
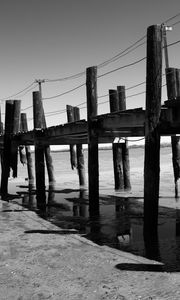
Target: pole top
40,80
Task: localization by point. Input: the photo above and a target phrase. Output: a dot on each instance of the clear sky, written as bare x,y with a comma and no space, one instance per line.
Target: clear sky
42,39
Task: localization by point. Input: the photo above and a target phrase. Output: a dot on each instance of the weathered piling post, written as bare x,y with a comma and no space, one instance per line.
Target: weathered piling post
125,149
93,161
49,165
116,147
1,132
80,153
1,124
15,129
24,127
47,150
152,137
39,150
9,157
70,118
173,91
7,146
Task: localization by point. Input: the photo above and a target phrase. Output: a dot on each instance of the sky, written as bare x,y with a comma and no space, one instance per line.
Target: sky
41,39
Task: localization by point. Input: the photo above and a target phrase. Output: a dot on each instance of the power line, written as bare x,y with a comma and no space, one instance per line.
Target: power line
121,54
27,108
75,76
32,88
122,67
171,18
174,43
175,23
103,64
20,92
64,93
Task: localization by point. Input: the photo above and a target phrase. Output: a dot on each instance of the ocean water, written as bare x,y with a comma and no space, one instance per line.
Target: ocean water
120,224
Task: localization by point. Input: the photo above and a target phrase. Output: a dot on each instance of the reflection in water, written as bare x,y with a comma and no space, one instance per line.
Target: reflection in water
119,225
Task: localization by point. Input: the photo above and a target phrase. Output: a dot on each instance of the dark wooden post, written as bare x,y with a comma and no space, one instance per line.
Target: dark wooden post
152,140
70,118
1,132
39,150
49,165
47,150
15,129
7,146
10,151
125,149
80,153
116,147
93,162
173,91
24,127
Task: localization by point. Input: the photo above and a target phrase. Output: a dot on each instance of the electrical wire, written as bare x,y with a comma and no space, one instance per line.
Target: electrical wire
75,76
174,24
174,43
118,56
172,18
64,93
122,67
20,92
103,64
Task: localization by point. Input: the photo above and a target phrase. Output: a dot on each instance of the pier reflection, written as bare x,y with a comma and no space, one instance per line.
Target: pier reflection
120,224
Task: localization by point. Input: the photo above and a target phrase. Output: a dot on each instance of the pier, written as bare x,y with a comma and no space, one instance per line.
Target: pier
156,120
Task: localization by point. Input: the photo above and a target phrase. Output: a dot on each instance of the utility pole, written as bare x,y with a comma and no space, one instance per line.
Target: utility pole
172,80
40,81
166,28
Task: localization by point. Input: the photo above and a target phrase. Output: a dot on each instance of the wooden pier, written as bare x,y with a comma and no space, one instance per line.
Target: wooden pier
156,120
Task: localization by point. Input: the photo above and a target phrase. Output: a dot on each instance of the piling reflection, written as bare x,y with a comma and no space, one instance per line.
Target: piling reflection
120,224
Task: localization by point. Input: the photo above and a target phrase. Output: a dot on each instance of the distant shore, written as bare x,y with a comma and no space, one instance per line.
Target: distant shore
109,147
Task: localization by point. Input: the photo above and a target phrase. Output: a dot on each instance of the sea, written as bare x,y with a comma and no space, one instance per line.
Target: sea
120,223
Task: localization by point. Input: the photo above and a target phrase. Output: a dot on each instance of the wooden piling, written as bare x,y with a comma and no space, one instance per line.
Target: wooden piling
7,146
125,149
116,147
152,140
80,153
39,149
24,127
10,151
15,129
1,132
47,150
70,118
93,161
173,91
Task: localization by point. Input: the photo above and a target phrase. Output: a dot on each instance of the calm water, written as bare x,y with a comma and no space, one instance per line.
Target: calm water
120,223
